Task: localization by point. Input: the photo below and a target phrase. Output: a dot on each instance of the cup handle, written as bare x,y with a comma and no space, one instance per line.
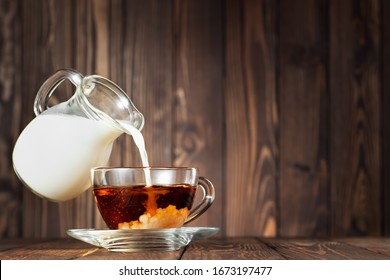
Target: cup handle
208,198
48,87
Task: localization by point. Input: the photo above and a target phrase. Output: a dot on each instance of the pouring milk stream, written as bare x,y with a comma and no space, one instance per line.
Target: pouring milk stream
54,154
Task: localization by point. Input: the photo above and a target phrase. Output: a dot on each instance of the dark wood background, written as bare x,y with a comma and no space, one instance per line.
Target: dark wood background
282,104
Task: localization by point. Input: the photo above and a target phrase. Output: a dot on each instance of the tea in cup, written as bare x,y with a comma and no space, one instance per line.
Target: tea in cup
149,197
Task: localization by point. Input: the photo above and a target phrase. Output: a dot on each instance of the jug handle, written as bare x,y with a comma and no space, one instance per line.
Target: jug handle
41,102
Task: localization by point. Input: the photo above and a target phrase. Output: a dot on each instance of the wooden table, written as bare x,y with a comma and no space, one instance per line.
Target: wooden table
216,248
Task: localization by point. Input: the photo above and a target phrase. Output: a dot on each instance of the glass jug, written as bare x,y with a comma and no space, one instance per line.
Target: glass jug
55,152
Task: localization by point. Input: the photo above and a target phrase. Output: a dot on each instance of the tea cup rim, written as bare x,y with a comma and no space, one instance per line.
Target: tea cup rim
100,168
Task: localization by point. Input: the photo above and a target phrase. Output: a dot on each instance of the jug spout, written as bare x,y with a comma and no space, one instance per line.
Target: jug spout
101,99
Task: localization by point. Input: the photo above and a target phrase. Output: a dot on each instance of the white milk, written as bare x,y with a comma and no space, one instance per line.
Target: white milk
140,143
54,154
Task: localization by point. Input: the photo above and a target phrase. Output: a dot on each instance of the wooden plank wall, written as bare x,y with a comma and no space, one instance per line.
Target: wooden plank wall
385,117
282,104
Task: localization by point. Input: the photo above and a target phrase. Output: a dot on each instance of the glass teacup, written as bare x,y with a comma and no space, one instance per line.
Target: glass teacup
149,197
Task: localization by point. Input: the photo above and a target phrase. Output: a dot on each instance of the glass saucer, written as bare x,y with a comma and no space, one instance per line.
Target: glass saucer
141,240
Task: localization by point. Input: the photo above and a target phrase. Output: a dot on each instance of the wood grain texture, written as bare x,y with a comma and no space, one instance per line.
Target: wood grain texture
303,118
64,249
375,244
251,118
317,249
10,117
198,111
233,248
71,249
355,121
15,243
386,117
